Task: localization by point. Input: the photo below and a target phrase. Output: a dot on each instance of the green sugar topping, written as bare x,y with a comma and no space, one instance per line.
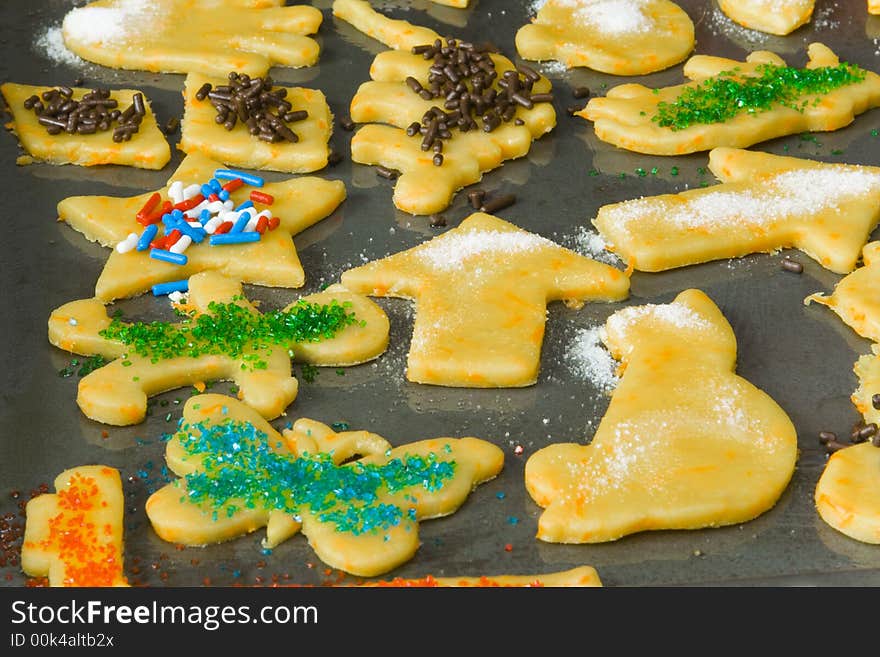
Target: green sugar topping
723,97
232,330
240,469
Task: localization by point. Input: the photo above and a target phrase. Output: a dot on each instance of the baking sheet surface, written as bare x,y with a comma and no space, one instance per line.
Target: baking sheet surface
802,356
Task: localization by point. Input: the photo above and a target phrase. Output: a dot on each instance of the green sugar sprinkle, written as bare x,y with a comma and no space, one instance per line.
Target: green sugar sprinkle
723,97
241,470
83,367
232,330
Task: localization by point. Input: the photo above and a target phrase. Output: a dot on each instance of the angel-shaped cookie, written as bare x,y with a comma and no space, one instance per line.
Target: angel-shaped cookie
361,516
146,148
731,103
685,443
621,37
211,37
272,260
771,16
765,203
74,536
481,293
225,339
443,113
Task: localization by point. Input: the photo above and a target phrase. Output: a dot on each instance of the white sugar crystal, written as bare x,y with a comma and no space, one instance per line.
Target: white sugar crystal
674,314
453,250
614,17
588,359
109,24
591,244
51,44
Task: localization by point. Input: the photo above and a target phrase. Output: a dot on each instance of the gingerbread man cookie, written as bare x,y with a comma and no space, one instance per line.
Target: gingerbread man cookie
848,493
225,338
64,138
779,17
711,111
258,137
269,260
705,448
238,475
765,203
193,36
621,37
74,536
481,293
397,34
584,576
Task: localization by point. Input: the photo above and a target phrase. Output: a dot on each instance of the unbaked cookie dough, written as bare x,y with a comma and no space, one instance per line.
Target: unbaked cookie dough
74,536
481,293
397,34
688,118
703,448
200,132
272,261
232,463
147,148
621,37
193,36
778,17
765,203
848,493
583,576
117,393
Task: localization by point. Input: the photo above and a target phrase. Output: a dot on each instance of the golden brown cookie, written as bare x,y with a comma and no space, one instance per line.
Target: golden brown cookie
771,16
238,147
238,475
146,361
621,37
765,203
211,37
74,536
147,148
848,494
693,117
298,203
481,293
705,448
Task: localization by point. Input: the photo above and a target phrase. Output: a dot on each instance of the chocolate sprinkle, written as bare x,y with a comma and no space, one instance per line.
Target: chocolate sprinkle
581,92
790,265
498,203
94,112
385,172
438,220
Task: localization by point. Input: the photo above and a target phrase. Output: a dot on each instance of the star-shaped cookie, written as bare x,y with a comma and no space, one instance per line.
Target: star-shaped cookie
848,494
200,132
685,443
632,37
74,536
481,293
117,393
238,474
765,203
147,148
193,36
769,16
706,112
272,261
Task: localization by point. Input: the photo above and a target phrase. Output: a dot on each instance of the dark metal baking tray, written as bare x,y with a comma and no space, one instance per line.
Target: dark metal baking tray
802,356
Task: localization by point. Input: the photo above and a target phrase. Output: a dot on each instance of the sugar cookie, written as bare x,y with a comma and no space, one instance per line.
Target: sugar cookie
238,475
779,17
298,203
848,493
481,293
705,448
765,203
706,112
193,36
621,37
238,147
867,370
74,536
582,576
222,341
145,149
397,34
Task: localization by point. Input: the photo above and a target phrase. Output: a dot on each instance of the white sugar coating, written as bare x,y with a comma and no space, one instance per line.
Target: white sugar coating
51,44
588,359
788,194
614,17
675,314
110,24
453,250
591,244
